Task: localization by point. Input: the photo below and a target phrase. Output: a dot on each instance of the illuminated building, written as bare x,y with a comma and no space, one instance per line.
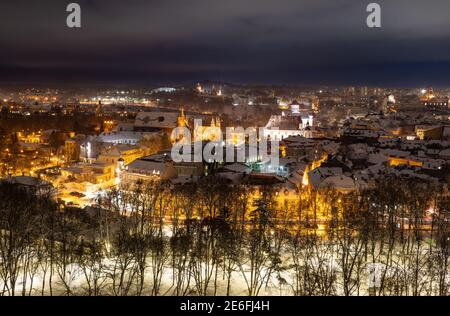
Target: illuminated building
361,132
98,109
182,123
426,132
108,125
427,94
399,161
155,167
431,101
283,104
182,120
280,127
315,104
123,137
296,146
389,104
436,103
198,131
199,88
71,150
165,89
295,107
243,100
363,91
89,177
125,153
34,137
350,91
235,137
212,132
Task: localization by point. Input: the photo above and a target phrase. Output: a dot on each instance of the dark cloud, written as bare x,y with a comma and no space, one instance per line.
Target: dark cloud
161,41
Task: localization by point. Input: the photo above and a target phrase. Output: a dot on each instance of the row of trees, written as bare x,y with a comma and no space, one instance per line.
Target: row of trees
215,239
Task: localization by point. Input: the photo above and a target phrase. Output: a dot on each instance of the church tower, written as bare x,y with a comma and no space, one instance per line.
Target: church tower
98,109
218,122
182,121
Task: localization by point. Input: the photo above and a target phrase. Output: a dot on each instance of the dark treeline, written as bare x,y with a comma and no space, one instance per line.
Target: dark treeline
79,123
215,239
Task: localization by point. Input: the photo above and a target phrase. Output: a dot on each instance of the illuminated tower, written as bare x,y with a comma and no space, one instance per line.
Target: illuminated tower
389,104
215,122
182,121
430,94
180,131
218,122
315,103
98,109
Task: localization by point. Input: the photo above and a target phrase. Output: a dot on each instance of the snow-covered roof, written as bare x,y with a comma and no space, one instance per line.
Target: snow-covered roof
27,181
146,166
317,175
340,182
237,168
157,119
377,158
445,154
395,153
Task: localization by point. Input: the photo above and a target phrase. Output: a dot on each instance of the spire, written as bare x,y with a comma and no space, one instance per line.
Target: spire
182,122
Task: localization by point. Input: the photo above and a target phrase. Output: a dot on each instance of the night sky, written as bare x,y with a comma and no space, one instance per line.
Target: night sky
242,41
